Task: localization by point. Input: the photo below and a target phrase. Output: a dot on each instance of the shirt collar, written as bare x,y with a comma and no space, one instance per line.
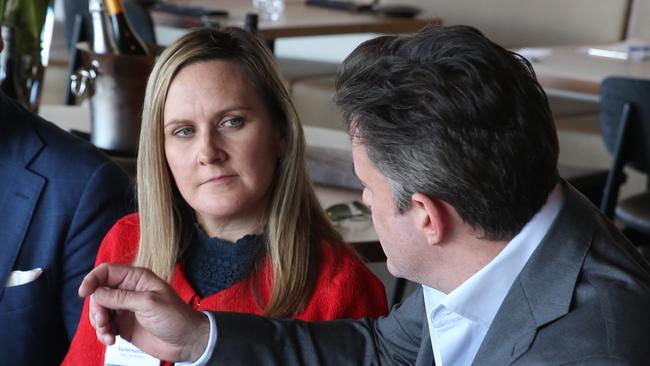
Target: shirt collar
492,283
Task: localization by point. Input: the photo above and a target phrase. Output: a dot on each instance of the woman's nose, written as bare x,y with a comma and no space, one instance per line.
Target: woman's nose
210,150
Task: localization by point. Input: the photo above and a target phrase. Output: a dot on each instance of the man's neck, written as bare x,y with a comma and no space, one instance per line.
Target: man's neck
465,253
461,259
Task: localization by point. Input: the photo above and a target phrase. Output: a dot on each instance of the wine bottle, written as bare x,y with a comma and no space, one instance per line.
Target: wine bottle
8,80
250,22
102,40
126,40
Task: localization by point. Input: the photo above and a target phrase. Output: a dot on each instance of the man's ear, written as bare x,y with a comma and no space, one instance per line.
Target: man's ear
429,216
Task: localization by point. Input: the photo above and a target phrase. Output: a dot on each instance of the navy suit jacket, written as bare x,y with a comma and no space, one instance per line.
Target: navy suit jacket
58,197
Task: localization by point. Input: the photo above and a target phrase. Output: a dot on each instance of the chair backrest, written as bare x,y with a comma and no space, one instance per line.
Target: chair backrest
625,127
615,92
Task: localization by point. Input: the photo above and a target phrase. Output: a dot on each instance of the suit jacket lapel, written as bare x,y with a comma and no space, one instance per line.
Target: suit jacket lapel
425,354
544,289
20,188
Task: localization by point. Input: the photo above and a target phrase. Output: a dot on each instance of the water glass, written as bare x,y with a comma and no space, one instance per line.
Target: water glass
269,9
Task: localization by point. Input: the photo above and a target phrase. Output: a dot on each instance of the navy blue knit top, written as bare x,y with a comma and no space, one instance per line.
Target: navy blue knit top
213,264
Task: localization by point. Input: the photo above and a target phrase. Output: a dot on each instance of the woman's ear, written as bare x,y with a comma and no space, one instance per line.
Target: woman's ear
429,217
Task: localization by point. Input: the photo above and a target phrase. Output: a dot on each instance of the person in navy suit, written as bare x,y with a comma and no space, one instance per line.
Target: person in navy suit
58,197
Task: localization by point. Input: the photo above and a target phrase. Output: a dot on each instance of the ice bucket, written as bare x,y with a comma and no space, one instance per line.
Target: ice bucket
115,86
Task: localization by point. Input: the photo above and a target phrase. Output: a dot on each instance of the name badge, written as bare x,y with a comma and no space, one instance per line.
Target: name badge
123,353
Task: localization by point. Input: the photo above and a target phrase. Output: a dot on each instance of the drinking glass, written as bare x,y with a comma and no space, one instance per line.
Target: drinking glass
269,9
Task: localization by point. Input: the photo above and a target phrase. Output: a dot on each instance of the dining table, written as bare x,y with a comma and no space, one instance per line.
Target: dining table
298,19
572,70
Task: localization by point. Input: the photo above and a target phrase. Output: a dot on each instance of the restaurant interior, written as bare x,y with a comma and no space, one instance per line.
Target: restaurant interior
573,46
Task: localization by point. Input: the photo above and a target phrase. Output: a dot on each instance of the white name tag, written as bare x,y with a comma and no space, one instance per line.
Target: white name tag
123,353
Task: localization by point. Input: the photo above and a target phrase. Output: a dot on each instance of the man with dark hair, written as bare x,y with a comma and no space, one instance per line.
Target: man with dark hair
456,148
58,197
447,113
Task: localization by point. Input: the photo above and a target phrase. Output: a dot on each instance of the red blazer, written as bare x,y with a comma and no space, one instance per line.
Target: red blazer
344,288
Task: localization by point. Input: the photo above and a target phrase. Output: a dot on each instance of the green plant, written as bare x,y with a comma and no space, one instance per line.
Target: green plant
27,18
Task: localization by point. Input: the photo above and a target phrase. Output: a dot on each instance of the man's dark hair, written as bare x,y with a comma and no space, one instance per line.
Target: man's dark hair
450,114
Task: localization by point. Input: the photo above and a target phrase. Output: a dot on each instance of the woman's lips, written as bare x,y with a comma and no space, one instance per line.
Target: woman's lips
220,178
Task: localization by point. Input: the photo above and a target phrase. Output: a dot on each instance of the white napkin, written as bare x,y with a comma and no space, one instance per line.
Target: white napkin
631,49
534,54
17,278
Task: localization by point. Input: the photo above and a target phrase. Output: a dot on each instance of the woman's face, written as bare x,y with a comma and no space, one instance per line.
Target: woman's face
220,145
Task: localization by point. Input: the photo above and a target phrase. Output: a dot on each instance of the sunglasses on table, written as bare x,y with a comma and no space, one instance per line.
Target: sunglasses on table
348,211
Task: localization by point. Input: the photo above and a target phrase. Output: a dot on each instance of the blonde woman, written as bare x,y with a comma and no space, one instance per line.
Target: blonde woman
227,213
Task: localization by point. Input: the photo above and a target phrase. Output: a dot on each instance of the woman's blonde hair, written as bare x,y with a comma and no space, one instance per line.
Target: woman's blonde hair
295,222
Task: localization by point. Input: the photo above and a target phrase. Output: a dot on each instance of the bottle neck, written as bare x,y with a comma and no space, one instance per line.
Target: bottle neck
6,54
8,83
99,20
113,7
102,40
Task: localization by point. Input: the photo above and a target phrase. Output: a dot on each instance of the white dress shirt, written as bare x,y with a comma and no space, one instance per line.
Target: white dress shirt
459,321
212,342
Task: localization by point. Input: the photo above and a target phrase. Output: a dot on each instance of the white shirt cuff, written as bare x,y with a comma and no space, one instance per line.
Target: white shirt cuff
209,350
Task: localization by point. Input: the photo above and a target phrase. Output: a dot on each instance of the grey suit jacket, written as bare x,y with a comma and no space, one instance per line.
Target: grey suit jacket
582,298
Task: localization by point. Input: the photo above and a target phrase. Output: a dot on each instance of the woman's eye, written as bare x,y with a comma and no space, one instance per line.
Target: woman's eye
182,132
233,122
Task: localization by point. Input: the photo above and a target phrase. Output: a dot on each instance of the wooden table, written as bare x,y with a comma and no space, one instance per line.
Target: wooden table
298,19
570,69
